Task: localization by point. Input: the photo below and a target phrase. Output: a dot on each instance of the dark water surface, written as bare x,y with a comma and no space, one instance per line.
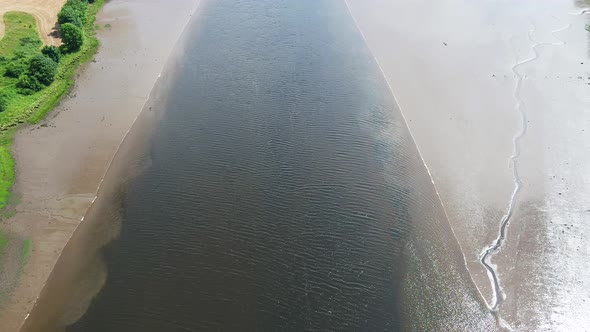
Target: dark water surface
275,198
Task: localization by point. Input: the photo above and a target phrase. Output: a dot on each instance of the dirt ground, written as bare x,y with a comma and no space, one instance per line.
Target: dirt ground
44,11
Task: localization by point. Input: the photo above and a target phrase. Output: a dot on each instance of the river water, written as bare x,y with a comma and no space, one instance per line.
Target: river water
281,191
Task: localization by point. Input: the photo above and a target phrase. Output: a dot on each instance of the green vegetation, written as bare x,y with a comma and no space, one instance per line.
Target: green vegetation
73,12
34,78
41,73
72,37
3,241
52,52
26,251
3,103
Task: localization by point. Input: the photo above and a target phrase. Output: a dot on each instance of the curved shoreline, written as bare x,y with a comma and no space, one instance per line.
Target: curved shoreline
64,200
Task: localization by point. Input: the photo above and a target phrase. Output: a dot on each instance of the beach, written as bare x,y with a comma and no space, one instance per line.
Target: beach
496,98
61,162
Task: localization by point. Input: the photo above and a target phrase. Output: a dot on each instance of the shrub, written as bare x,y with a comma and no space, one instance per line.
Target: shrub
52,52
28,84
70,15
74,12
15,68
79,5
20,54
72,37
43,69
29,40
3,103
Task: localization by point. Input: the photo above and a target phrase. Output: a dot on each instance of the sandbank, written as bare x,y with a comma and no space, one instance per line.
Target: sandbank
496,97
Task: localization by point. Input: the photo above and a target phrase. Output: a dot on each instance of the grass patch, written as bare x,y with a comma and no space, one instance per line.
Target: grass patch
21,39
3,241
26,251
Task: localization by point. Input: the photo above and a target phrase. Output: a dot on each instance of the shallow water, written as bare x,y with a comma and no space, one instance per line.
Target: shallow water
282,189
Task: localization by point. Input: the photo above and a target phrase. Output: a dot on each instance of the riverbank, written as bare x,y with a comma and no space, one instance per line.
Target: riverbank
22,40
506,113
60,163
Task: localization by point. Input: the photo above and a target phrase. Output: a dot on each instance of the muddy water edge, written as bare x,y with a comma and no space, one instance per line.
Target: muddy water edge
81,272
269,184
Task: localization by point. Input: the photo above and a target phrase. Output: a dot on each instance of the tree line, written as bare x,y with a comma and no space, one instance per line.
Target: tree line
38,71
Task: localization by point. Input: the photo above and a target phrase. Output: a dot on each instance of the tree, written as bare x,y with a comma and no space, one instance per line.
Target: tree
79,5
73,12
43,69
52,52
71,36
69,15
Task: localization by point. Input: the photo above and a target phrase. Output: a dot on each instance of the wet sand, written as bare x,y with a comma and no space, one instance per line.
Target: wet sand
61,162
484,87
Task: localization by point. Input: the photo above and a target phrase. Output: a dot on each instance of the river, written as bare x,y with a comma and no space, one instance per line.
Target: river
280,190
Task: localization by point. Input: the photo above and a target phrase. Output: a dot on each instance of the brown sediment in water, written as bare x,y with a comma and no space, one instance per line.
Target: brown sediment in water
61,163
80,271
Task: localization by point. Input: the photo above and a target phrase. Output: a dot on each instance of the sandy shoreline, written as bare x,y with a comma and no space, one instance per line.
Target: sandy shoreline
85,131
471,78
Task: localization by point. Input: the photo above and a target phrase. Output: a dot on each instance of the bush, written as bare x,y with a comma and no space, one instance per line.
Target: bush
52,52
70,15
74,12
80,5
3,103
29,40
16,68
43,69
28,84
72,37
19,54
